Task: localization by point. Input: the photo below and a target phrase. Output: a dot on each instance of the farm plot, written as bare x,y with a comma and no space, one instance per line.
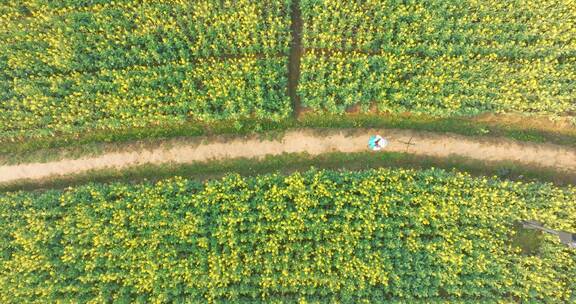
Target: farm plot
205,90
378,235
439,57
73,67
134,33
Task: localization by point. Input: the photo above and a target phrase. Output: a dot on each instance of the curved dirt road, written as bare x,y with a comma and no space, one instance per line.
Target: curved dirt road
313,142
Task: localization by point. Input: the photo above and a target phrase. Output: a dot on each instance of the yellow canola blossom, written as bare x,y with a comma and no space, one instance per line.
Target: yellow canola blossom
390,233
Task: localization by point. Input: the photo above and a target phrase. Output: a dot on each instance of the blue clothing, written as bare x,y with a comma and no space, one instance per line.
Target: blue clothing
372,141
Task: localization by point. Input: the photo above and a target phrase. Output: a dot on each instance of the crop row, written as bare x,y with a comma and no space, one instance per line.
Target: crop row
514,29
203,90
436,57
440,57
141,33
439,86
378,236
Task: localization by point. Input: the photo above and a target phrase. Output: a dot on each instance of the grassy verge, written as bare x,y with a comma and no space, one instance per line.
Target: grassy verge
467,126
91,143
287,163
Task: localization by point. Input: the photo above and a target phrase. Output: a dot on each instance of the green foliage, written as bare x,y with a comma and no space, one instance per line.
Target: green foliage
439,57
120,34
328,236
72,67
205,90
68,67
528,240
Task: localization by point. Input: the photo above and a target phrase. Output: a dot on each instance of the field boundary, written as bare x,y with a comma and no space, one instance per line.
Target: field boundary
294,162
295,57
311,141
520,128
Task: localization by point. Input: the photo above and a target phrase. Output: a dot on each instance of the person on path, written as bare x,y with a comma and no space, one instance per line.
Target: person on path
377,143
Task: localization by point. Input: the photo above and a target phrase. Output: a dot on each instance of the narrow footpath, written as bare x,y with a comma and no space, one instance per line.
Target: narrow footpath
311,141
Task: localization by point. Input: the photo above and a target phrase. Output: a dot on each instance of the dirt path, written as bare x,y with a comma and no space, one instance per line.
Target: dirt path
295,57
310,141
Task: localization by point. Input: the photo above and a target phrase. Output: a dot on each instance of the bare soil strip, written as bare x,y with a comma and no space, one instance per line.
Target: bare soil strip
313,142
295,57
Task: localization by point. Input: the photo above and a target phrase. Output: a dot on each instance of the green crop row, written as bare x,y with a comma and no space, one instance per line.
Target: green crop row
442,86
440,57
75,66
392,236
62,62
512,29
120,34
203,90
